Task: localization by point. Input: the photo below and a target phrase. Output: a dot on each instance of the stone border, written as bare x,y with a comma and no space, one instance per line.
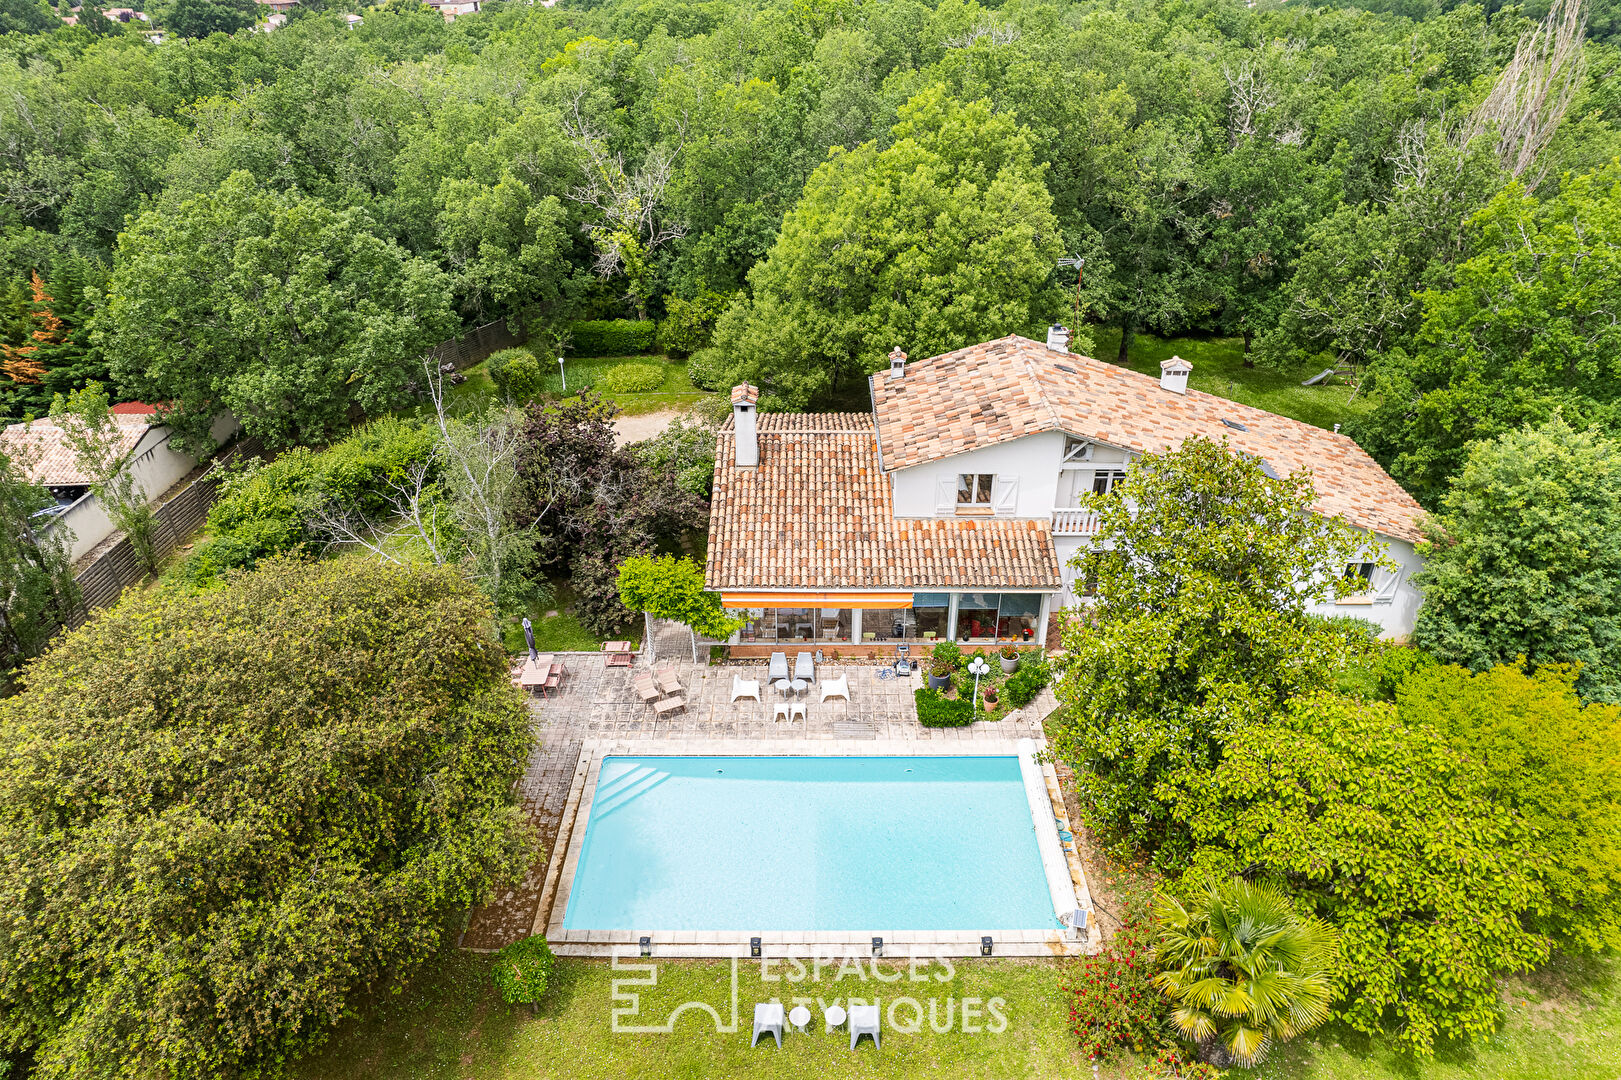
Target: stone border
804,944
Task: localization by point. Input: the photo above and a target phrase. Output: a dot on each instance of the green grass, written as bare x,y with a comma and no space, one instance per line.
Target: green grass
561,632
677,392
1218,368
453,1026
1561,1024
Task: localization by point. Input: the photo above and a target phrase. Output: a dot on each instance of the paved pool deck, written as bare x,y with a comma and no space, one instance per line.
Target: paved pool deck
597,709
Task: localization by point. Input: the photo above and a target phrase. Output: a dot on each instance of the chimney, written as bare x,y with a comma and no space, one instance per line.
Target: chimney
1058,338
1173,375
897,363
744,398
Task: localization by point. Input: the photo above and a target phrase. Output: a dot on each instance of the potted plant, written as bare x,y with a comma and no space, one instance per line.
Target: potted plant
940,670
1009,658
990,698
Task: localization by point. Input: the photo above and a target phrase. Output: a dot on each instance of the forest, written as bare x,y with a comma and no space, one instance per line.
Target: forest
280,223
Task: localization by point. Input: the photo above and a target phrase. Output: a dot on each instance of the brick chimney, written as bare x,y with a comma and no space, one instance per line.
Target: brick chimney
1173,375
744,401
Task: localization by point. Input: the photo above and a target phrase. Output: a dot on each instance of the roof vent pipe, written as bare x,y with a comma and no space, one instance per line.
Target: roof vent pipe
745,398
897,363
1058,338
1173,375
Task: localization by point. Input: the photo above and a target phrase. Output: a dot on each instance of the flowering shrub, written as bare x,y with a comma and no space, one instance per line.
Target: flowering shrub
1172,1065
523,970
1113,1003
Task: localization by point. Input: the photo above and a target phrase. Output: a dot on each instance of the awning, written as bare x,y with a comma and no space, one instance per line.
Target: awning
816,599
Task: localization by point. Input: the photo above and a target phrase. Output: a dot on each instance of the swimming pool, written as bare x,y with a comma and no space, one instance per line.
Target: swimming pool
809,843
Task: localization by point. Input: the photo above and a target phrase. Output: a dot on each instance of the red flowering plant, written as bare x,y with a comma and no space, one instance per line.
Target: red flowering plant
1113,1003
1172,1065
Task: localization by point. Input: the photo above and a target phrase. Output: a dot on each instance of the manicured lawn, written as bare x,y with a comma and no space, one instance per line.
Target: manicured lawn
455,1027
1562,1024
561,632
677,392
1218,368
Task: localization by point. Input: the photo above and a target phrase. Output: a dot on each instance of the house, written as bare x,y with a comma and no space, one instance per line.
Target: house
952,510
452,8
47,459
280,7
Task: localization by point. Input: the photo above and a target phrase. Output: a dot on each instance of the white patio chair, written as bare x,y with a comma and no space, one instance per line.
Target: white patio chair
839,687
863,1021
745,688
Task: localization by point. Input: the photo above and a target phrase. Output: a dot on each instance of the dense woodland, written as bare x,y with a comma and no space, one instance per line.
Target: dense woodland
281,222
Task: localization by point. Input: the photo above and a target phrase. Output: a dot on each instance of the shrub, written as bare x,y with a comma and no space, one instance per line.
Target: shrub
612,337
708,369
934,709
690,322
631,379
517,374
523,970
1113,1003
947,654
1023,685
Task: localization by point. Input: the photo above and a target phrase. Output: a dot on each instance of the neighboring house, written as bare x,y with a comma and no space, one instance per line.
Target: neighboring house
145,444
952,510
279,6
452,8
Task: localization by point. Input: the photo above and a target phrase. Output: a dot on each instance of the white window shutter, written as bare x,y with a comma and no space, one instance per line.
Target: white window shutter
1005,496
1383,585
945,495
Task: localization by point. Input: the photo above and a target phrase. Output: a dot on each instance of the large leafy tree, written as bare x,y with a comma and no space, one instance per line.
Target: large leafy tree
942,239
224,814
1524,559
1204,571
1525,329
1556,762
274,305
1396,839
37,590
199,18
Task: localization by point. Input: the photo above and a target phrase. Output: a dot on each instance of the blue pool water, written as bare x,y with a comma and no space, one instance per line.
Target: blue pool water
809,843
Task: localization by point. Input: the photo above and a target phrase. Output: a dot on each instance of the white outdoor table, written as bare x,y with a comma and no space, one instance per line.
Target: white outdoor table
799,1017
835,1017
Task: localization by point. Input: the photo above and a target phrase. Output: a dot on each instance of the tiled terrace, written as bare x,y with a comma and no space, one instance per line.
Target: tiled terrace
597,703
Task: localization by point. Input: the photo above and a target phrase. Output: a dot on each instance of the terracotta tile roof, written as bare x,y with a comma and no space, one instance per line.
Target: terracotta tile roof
744,392
44,449
1012,387
816,513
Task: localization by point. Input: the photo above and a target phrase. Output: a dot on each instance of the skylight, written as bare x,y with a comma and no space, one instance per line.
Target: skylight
1234,424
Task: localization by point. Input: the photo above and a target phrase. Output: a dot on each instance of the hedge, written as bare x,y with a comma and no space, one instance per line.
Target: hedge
934,709
612,337
631,378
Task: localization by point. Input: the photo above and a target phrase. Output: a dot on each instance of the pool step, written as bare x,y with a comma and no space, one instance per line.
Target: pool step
627,789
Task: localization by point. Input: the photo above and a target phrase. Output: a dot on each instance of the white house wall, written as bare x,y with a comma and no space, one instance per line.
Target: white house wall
1033,460
1392,604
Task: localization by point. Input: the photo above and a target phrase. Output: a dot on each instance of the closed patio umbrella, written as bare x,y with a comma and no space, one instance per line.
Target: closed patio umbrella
529,638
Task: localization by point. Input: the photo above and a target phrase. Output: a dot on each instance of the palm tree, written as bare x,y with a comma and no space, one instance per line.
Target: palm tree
1243,969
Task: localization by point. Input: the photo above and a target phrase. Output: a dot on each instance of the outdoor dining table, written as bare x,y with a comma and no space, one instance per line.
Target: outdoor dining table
535,672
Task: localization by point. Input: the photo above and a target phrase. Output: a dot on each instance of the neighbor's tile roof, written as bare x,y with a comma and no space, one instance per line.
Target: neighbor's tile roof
1012,387
43,449
816,513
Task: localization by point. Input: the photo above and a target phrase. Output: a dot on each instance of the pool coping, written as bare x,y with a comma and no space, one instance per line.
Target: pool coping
803,943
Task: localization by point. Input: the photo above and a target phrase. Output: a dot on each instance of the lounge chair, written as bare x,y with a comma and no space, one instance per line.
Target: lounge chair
669,704
767,1021
742,688
646,688
864,1021
839,687
804,668
778,672
667,680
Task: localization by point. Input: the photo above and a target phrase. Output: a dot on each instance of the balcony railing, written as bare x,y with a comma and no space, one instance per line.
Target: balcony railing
1074,522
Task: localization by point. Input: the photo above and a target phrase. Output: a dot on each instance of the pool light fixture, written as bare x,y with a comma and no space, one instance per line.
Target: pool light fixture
754,946
985,945
878,946
647,945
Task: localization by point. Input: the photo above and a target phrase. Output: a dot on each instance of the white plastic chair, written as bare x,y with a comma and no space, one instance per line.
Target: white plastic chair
839,687
745,688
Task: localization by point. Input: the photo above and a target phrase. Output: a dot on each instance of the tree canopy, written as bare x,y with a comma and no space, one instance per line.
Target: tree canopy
1524,559
225,813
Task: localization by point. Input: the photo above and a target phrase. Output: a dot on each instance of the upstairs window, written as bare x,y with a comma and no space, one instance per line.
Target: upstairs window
974,489
1105,482
1361,571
